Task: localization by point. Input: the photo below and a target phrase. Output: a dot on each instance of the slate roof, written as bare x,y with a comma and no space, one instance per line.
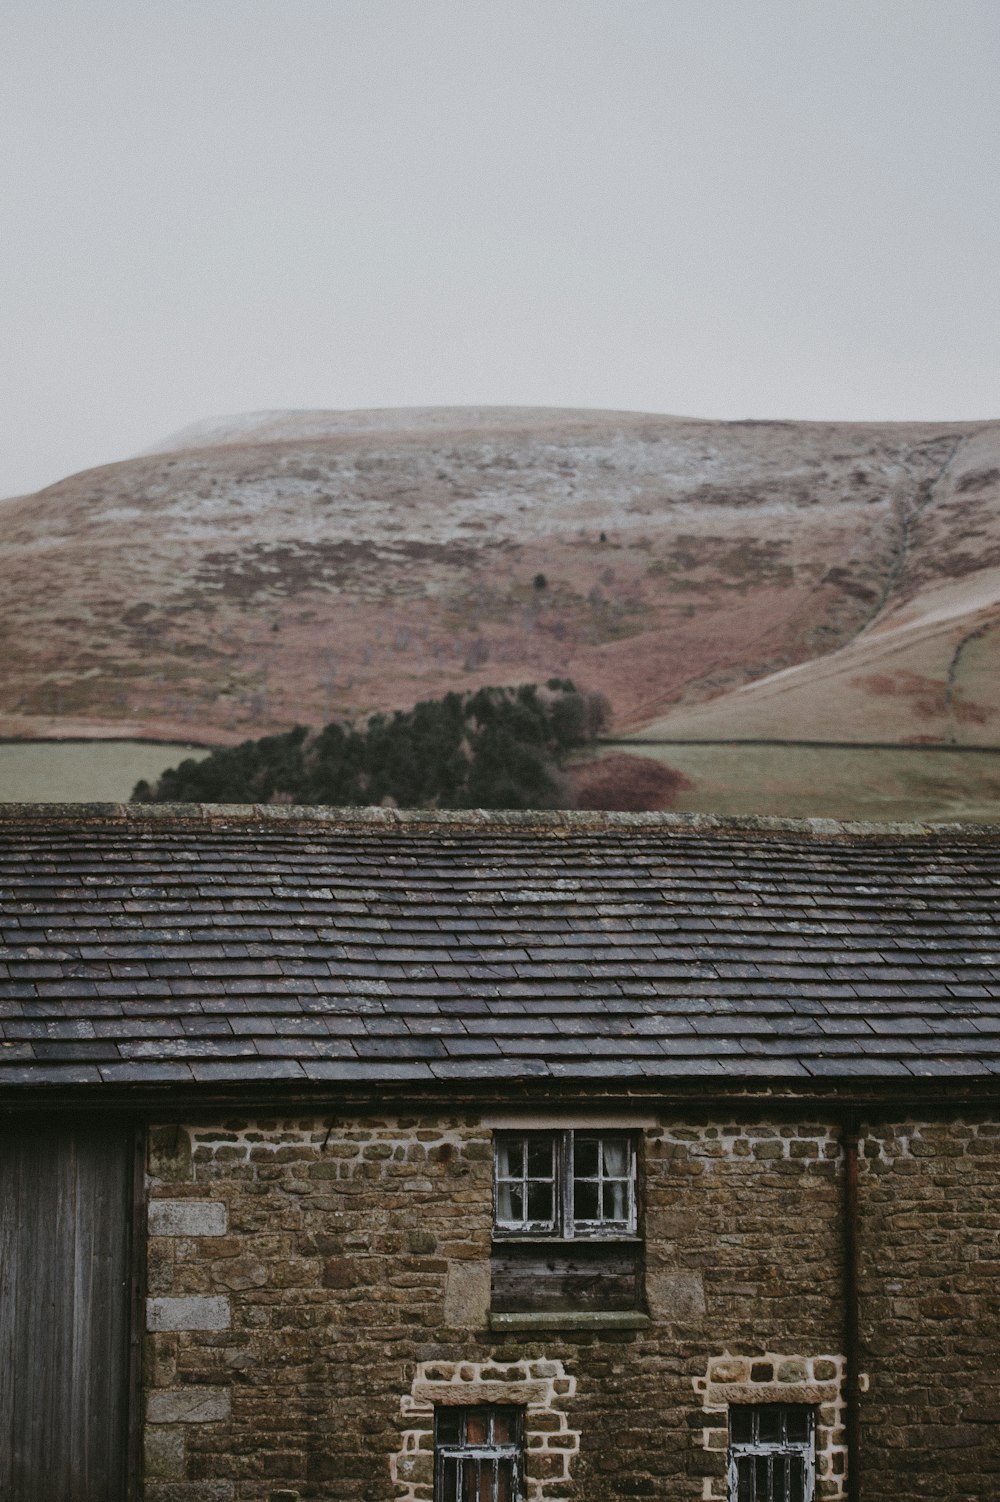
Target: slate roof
259,946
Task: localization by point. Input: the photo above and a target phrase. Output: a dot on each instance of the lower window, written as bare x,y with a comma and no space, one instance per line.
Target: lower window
479,1454
771,1452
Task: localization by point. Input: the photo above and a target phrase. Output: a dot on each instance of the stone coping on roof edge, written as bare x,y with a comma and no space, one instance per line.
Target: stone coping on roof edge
554,821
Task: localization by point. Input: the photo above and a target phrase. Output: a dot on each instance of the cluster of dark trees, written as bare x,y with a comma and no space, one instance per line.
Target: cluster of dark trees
494,748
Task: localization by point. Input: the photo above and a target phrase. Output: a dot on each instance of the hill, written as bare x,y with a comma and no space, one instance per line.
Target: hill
713,580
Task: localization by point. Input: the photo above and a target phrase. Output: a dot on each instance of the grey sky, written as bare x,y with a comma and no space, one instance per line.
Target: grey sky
722,208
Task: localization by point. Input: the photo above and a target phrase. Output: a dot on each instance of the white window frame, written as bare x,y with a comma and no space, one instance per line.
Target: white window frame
804,1450
564,1224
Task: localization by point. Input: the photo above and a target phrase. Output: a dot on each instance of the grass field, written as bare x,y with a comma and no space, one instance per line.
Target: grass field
82,771
796,781
831,782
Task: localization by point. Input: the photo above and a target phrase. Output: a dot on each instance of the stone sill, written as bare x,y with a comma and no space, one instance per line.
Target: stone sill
575,1319
566,1243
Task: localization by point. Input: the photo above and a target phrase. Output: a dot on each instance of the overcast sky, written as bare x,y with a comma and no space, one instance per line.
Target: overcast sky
723,208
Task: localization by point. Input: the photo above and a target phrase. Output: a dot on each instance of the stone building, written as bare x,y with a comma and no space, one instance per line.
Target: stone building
565,1158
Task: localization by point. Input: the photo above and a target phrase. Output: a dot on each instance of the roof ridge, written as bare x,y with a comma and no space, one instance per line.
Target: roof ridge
541,820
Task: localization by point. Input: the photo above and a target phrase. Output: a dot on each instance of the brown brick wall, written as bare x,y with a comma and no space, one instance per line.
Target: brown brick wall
311,1280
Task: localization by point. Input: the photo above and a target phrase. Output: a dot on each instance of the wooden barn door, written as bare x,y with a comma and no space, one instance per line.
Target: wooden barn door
66,1195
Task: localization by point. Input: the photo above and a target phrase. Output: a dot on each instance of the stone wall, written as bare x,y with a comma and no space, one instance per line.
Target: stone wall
316,1285
930,1309
778,1377
545,1389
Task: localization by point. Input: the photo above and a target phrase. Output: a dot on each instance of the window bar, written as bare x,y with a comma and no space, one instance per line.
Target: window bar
524,1180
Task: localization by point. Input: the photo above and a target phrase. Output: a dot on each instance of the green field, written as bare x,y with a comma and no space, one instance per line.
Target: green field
82,771
791,780
831,781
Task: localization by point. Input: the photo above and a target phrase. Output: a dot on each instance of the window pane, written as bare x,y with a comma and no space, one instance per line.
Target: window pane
480,1479
797,1481
505,1481
540,1150
477,1426
585,1200
470,1481
615,1157
510,1202
539,1201
449,1481
504,1426
797,1425
779,1476
760,1469
744,1480
510,1157
585,1157
741,1425
448,1422
615,1201
769,1418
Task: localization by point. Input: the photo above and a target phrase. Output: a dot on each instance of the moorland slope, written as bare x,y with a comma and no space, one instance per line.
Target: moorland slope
811,581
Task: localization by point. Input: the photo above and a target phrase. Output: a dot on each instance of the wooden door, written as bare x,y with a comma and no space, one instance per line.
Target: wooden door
66,1194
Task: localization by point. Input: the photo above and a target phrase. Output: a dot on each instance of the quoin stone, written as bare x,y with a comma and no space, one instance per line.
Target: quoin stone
187,1218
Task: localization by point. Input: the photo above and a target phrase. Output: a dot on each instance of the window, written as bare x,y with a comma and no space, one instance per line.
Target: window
565,1184
479,1454
565,1226
771,1452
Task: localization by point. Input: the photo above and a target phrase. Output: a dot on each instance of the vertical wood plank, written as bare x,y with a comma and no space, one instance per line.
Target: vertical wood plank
65,1211
10,1293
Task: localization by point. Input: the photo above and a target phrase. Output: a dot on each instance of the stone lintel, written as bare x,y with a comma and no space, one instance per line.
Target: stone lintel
528,1394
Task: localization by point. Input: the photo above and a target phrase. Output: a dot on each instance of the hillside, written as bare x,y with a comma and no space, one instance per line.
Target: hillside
714,580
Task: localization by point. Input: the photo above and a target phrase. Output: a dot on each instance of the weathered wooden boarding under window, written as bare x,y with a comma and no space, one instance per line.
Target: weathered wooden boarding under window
565,1226
771,1452
479,1454
65,1299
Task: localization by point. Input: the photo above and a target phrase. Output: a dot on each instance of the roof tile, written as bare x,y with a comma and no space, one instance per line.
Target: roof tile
157,945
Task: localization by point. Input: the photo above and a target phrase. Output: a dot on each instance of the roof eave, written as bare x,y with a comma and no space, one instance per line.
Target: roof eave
835,1094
